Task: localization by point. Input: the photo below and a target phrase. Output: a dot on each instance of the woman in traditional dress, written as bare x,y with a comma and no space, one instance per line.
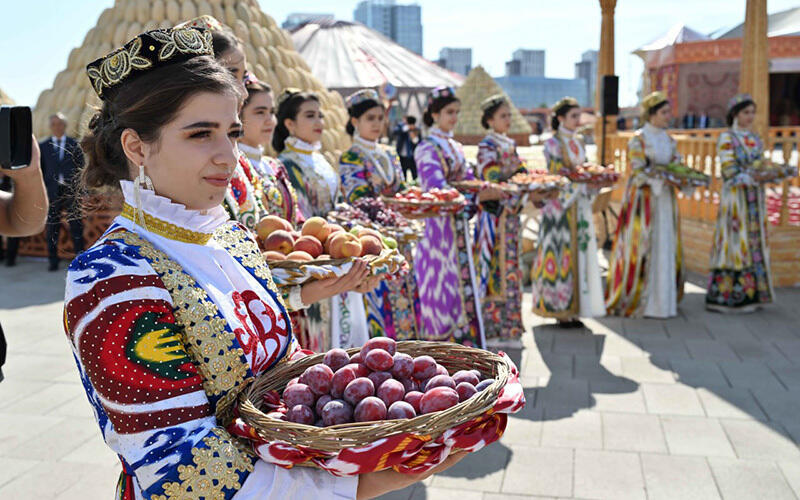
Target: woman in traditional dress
258,125
646,275
173,309
497,233
566,273
369,169
740,280
449,303
342,321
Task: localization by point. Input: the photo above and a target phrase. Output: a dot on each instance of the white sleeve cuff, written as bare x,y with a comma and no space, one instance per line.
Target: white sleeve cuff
300,483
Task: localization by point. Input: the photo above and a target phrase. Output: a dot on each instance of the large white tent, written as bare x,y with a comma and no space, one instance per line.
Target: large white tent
347,56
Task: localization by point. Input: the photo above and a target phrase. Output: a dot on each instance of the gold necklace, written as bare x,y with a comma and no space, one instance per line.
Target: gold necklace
166,229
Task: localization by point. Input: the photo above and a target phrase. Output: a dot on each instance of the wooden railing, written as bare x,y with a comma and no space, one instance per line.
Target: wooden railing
699,150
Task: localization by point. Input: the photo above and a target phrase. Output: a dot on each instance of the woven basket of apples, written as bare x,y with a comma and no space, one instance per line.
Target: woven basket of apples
402,405
591,173
414,203
322,250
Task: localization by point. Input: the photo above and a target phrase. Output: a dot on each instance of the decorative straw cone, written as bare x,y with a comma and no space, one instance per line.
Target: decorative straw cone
270,56
477,87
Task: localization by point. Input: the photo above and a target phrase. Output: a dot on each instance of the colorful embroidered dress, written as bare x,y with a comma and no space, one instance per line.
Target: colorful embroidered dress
277,194
646,275
449,303
166,325
740,276
369,169
497,240
341,321
566,273
243,199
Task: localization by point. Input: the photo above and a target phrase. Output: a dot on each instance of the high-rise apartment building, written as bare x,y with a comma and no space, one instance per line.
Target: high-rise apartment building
526,62
401,23
586,69
458,60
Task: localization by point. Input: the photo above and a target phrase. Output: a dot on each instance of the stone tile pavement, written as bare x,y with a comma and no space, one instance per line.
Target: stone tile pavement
702,406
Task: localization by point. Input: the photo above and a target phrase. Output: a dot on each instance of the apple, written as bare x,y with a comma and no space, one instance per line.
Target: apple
273,255
309,244
316,227
390,242
370,245
300,255
279,241
269,224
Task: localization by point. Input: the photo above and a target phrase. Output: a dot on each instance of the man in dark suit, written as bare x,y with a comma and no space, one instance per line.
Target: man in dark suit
62,159
407,136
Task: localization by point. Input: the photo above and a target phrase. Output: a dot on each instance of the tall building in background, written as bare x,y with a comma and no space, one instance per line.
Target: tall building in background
295,19
587,70
456,60
401,23
526,62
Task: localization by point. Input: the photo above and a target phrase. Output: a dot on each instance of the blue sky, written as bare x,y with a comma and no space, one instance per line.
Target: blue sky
46,31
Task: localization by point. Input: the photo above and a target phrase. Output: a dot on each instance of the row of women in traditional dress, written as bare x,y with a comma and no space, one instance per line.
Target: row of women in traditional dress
646,272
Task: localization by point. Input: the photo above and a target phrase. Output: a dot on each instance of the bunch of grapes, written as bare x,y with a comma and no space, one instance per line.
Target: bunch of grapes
375,384
379,212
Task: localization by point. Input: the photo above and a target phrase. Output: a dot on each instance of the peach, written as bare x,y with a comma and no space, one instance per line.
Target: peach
370,245
273,255
335,228
300,255
367,231
344,245
317,227
267,225
309,244
279,241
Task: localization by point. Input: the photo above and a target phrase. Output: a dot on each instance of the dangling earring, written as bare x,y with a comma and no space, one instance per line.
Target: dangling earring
142,181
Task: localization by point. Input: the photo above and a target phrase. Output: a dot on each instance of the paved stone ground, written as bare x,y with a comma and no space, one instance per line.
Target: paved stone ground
701,406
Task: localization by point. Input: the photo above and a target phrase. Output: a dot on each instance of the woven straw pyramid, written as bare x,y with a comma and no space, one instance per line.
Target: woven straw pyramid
270,55
477,87
5,100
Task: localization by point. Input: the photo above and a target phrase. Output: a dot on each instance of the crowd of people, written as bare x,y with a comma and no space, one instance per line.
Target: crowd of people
174,307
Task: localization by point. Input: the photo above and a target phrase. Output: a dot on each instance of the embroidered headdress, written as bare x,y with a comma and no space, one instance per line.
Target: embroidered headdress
652,100
286,94
206,22
739,99
492,101
148,51
566,102
441,91
360,96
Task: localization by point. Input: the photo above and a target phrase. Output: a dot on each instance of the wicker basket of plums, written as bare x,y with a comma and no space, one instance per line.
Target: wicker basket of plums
403,405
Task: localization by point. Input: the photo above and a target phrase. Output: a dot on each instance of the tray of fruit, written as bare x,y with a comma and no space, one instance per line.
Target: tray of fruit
766,171
401,405
680,175
538,180
322,250
591,173
373,213
414,203
471,186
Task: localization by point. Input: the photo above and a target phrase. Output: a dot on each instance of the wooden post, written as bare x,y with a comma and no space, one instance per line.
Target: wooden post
754,71
605,66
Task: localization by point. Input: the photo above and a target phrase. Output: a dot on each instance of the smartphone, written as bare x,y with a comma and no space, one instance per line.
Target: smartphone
15,137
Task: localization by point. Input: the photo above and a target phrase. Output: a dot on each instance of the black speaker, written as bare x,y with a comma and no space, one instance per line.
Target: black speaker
609,95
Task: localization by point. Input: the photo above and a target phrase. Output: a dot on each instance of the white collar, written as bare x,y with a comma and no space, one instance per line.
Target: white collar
357,139
59,139
441,133
652,129
300,146
251,152
163,208
566,133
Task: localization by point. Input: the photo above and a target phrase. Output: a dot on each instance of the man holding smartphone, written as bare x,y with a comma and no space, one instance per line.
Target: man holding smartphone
62,158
